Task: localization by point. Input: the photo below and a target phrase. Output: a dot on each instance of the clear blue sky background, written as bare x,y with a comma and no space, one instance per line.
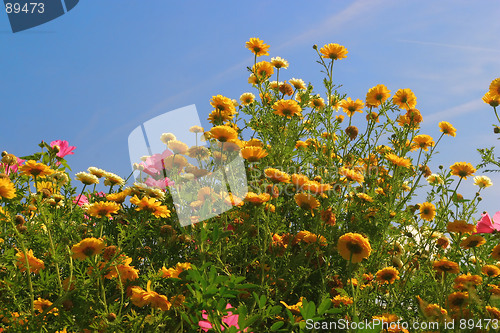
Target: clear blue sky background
91,76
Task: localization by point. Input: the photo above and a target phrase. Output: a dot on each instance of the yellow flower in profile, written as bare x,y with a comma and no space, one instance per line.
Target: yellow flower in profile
35,264
491,99
119,197
253,154
495,86
427,211
306,201
87,248
333,51
174,272
423,141
447,128
257,199
354,247
7,189
103,208
41,305
461,226
295,309
377,95
223,133
446,266
405,99
350,107
298,84
263,70
277,176
34,169
222,104
458,300
399,161
113,179
346,300
177,147
490,270
495,253
494,312
175,161
87,178
196,129
351,175
141,297
472,241
387,275
257,47
150,205
287,108
482,181
462,169
279,62
99,173
412,118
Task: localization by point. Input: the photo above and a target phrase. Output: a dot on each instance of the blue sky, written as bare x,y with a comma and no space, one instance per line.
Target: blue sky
93,75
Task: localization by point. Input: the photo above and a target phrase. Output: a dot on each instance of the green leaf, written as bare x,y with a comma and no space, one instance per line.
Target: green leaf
276,326
325,305
251,320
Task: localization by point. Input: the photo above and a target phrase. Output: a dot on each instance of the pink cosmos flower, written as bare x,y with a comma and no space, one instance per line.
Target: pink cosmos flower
154,164
64,147
160,183
81,200
486,225
230,320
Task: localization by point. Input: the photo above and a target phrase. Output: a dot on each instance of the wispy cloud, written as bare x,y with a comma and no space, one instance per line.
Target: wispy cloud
454,46
459,110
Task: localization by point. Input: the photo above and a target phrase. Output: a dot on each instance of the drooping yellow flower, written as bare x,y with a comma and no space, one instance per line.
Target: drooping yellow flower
41,305
350,106
495,87
405,99
87,178
491,99
223,133
277,176
306,201
354,247
472,241
7,189
462,169
490,270
482,181
447,128
377,95
257,199
287,108
446,266
399,161
279,62
458,300
333,51
87,248
253,154
423,141
34,169
174,272
351,175
427,211
257,47
295,309
177,147
35,264
461,226
387,275
298,84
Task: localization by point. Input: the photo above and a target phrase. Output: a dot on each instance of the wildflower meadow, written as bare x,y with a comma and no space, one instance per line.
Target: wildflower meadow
333,234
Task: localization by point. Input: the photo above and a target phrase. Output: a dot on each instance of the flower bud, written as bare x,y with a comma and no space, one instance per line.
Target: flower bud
111,317
19,220
352,132
315,46
56,149
9,159
496,129
4,153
